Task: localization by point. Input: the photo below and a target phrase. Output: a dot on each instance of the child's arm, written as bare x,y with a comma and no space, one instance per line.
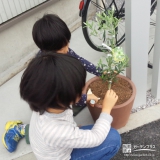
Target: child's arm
63,134
82,101
86,98
90,67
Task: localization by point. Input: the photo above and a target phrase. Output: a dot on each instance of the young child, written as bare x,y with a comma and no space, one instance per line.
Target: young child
51,84
50,33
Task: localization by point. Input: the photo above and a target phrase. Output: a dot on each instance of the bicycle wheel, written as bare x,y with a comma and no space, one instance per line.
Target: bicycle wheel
94,6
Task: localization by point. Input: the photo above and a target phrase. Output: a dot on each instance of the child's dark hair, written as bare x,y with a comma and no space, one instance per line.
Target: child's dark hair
52,81
50,33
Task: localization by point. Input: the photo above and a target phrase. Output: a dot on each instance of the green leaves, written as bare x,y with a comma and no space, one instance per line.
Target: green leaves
105,28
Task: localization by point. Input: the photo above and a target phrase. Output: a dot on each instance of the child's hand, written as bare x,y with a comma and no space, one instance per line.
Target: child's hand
93,98
109,101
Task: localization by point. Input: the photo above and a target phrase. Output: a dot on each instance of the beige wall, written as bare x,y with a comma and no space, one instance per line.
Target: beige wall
16,44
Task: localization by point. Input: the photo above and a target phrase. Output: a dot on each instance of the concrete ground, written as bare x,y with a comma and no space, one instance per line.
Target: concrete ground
13,108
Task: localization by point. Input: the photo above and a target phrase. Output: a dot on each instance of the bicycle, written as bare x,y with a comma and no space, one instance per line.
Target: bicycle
88,10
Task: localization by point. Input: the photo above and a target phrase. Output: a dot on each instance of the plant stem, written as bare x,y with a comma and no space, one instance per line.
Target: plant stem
109,85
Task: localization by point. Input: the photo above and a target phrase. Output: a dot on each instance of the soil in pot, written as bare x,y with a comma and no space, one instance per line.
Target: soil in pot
122,88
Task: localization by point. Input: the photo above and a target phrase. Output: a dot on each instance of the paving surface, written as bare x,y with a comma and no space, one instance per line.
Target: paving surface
144,143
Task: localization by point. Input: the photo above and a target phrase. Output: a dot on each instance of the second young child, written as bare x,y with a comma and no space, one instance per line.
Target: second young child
50,84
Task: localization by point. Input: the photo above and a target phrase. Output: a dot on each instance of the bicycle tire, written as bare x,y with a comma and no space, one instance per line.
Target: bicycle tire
85,30
86,34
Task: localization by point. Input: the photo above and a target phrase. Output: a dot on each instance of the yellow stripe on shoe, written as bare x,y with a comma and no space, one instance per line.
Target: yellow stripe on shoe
11,124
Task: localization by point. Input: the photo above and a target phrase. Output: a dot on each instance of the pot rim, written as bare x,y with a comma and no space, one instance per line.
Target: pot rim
116,106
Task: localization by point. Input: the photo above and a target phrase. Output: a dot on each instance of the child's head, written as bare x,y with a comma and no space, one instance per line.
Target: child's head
50,33
52,81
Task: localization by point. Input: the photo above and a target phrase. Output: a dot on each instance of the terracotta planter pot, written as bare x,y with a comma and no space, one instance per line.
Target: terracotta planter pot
120,113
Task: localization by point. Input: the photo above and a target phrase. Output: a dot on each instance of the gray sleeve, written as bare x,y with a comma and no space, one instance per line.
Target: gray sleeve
68,136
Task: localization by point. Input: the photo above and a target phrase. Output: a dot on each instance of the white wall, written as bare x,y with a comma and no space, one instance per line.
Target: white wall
137,40
16,44
10,9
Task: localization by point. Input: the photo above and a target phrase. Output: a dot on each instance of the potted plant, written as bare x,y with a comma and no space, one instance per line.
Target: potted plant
110,66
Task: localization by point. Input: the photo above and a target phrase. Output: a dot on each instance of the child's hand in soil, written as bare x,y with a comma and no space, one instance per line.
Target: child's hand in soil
109,101
92,97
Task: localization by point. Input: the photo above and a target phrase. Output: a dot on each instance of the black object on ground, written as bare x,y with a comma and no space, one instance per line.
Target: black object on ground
142,143
76,109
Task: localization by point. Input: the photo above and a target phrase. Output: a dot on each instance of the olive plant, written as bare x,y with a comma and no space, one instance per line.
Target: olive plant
105,28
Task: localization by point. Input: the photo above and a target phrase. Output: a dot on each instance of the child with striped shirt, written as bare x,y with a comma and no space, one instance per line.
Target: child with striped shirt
51,84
